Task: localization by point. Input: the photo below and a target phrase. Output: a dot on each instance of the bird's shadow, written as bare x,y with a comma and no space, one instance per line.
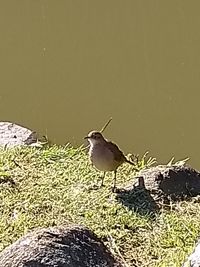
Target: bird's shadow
139,200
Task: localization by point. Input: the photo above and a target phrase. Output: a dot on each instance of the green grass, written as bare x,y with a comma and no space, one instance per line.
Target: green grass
54,185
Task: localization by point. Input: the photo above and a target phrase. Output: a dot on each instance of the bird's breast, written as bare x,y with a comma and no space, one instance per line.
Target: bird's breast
102,158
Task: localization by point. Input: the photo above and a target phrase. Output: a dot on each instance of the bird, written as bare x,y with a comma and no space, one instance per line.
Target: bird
105,155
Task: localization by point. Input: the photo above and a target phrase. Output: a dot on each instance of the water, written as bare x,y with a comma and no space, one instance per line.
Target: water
68,66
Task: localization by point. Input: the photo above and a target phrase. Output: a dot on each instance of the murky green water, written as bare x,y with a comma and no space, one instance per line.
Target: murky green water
67,66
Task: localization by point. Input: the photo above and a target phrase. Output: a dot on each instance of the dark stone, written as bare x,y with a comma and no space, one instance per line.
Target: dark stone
69,246
175,181
159,185
12,134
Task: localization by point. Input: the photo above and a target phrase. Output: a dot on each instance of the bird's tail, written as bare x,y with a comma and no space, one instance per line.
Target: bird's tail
132,163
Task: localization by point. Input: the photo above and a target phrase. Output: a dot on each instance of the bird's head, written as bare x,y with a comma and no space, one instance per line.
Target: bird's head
95,137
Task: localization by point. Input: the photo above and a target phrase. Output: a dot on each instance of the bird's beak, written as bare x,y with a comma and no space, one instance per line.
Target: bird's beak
86,137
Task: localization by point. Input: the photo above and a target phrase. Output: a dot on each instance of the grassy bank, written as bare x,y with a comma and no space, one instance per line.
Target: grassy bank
51,186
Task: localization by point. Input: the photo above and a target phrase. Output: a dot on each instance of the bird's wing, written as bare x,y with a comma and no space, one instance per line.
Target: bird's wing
118,154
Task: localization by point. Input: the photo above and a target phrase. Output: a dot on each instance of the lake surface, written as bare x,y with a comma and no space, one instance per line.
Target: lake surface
67,66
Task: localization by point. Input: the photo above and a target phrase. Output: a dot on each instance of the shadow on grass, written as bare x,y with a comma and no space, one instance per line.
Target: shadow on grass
139,200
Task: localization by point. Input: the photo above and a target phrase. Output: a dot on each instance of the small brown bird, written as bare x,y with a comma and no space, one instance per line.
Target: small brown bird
105,155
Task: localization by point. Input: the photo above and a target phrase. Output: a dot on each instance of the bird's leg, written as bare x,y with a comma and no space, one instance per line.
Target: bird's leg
114,181
102,179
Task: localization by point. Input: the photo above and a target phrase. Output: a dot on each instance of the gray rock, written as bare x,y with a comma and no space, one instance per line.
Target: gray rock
12,134
69,246
194,259
173,180
158,185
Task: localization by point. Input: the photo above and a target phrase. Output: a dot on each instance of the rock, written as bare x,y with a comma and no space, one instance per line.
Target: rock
159,185
12,135
175,181
69,246
194,259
